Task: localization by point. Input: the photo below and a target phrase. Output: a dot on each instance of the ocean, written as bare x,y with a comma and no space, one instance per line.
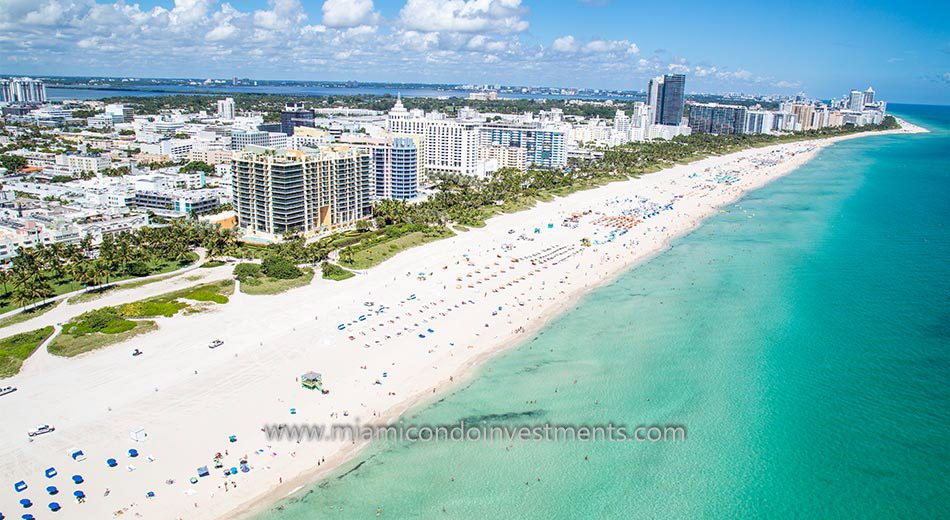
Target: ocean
802,339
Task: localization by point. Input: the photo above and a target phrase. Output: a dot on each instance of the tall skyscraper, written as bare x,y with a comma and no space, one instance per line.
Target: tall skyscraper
856,101
666,96
226,108
869,96
674,93
654,91
311,191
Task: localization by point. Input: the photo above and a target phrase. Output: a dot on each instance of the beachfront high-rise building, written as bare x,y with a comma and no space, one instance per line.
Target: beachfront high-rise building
543,147
226,109
295,115
713,118
856,100
666,95
869,96
307,191
394,162
22,90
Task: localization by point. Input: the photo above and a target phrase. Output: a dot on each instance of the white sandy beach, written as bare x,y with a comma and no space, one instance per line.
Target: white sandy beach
190,399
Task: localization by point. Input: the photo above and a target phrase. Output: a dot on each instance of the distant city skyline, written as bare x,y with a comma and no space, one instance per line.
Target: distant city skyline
904,52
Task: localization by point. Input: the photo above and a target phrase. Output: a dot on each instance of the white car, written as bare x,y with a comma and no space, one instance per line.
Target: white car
215,344
7,390
40,430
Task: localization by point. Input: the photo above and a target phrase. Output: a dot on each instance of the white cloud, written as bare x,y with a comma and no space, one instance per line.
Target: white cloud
349,13
495,16
565,44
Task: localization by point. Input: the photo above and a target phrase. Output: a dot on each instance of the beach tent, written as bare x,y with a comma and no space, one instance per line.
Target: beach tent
20,486
112,463
50,472
138,434
77,455
203,471
77,479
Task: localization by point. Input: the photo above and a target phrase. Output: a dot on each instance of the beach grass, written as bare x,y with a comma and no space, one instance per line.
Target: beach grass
69,344
28,315
211,264
335,272
15,349
378,253
267,285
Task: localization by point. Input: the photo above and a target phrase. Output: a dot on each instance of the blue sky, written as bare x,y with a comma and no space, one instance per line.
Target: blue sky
821,48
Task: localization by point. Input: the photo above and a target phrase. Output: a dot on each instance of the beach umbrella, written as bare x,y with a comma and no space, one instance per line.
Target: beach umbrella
133,453
150,494
54,506
52,490
25,502
77,479
112,463
78,493
27,517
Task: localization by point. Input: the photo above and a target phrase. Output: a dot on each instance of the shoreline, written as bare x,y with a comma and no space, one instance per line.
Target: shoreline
463,377
191,399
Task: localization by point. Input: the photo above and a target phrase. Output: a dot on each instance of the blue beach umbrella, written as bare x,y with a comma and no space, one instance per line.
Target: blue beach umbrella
27,517
133,453
112,463
25,502
77,479
54,506
78,493
52,490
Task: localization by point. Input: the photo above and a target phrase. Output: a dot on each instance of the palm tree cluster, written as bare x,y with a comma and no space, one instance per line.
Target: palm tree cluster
34,272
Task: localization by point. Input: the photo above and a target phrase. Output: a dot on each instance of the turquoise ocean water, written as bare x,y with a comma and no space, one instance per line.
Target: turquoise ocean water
806,349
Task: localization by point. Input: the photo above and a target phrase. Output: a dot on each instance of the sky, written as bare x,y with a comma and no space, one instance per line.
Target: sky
823,49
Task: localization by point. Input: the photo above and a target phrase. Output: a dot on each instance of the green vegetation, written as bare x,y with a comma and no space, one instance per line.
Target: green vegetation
75,343
279,268
368,253
212,263
334,272
15,349
27,315
12,163
170,304
197,166
44,271
267,285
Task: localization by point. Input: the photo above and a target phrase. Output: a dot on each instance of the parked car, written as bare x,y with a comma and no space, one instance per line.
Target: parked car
40,430
215,344
7,390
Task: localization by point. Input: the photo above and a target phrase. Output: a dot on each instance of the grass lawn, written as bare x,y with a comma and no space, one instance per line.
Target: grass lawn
169,304
366,258
63,285
69,344
267,285
27,315
337,273
15,349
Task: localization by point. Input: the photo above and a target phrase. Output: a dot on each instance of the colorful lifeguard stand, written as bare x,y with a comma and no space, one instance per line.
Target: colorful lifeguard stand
312,381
